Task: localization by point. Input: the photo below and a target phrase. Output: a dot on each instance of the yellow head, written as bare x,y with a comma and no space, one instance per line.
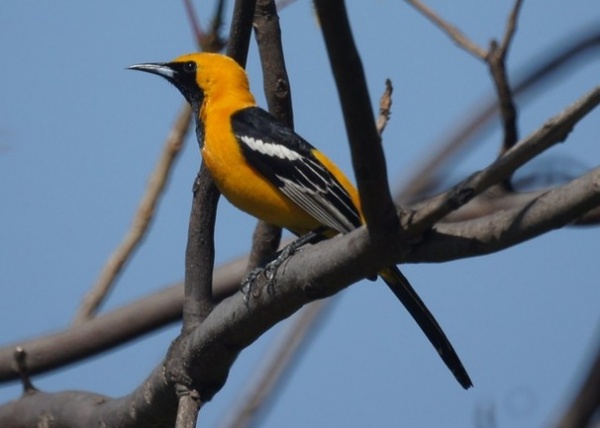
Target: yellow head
205,78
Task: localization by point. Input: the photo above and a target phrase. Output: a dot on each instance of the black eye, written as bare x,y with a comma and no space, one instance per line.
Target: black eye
189,67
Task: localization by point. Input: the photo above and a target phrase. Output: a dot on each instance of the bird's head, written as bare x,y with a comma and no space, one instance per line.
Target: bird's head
201,77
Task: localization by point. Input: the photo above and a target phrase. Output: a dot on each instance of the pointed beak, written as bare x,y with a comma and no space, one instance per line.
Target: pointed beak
161,69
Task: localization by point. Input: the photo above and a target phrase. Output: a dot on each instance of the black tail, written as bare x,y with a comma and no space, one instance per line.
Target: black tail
415,306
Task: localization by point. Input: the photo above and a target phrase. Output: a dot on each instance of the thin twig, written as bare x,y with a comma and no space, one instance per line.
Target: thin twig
21,362
496,61
511,27
210,41
190,11
141,221
453,32
385,107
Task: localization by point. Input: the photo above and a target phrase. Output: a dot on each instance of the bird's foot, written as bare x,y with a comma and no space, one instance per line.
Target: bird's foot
271,268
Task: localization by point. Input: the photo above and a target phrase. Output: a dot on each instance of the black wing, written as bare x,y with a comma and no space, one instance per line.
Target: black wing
287,161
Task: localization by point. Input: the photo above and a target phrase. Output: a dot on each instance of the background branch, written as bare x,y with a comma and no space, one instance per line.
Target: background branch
452,31
141,221
555,130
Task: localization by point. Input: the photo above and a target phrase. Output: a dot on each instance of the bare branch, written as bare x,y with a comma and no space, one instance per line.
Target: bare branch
141,221
553,131
505,228
508,109
193,21
200,251
276,83
241,28
113,328
154,403
496,60
213,346
199,263
511,27
187,412
428,174
210,41
265,242
367,154
452,31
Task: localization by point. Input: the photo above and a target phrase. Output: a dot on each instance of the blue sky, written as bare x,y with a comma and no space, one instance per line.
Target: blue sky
79,136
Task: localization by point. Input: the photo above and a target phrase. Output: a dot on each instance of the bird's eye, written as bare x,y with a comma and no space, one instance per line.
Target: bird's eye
189,67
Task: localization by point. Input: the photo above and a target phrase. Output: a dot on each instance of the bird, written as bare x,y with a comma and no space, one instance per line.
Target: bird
269,171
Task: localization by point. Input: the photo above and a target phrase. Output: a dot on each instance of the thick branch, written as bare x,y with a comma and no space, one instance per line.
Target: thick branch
154,403
367,153
212,347
240,31
200,254
551,210
121,325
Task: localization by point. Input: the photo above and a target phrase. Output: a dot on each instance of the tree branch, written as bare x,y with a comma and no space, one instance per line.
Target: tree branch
116,327
141,221
367,154
551,210
496,60
212,347
453,32
429,174
200,252
553,131
198,302
240,31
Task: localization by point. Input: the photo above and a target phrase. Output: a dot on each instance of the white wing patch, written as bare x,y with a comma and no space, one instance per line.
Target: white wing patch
270,149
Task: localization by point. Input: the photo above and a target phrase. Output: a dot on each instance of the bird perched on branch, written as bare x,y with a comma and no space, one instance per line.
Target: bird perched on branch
269,171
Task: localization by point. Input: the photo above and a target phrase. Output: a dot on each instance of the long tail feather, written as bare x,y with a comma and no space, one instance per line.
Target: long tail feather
415,306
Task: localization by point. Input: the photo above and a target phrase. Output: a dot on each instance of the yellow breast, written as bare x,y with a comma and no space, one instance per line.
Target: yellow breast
243,186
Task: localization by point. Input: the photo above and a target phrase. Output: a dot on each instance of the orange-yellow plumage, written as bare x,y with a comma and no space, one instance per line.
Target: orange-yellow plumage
273,174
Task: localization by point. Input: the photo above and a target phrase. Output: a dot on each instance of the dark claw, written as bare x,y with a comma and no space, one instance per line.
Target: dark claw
270,270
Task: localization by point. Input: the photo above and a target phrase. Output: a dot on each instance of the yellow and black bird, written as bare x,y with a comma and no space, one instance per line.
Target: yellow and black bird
269,171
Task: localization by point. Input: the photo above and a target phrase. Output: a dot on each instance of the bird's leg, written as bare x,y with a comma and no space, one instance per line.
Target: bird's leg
270,269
